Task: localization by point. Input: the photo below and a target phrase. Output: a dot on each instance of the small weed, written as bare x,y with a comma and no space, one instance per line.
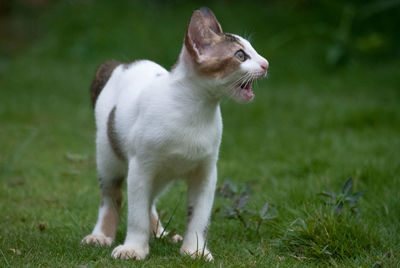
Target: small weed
236,206
344,197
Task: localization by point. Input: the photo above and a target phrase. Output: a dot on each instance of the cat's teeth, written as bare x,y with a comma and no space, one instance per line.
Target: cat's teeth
248,86
244,86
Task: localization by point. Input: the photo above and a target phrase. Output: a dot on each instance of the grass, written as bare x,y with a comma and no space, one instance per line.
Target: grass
310,127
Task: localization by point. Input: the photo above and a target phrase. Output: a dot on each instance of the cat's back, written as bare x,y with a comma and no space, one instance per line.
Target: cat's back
115,76
120,82
138,74
142,70
139,83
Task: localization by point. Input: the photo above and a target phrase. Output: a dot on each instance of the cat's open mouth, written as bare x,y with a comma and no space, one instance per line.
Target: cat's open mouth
245,90
244,87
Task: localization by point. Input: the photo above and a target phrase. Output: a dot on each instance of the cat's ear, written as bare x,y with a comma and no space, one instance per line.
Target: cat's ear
203,30
210,20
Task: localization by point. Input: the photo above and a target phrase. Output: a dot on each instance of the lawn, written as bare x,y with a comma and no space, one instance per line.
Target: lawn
316,121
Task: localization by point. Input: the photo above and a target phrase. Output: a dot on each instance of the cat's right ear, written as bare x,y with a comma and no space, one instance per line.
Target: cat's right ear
203,30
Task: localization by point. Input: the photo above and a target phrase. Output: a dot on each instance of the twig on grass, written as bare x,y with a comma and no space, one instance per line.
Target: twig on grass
300,258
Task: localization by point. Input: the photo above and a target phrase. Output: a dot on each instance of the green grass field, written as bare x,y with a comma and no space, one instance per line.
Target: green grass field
310,128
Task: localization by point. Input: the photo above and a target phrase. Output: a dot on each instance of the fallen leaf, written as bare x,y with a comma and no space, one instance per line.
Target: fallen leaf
42,226
15,251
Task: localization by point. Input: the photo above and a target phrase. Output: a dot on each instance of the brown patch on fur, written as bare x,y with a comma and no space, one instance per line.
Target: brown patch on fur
112,135
111,217
110,221
127,65
101,78
220,58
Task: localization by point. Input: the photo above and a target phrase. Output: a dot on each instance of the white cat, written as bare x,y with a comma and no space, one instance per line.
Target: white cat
154,126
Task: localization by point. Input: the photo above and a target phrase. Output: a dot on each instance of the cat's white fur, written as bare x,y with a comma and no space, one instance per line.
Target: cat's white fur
169,126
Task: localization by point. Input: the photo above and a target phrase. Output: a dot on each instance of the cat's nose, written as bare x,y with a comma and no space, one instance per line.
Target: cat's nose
265,65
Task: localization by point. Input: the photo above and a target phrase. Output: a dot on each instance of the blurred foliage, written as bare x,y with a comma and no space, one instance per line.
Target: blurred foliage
344,30
366,27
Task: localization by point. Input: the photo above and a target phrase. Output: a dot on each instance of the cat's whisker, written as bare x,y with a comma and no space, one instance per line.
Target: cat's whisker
231,88
239,81
246,79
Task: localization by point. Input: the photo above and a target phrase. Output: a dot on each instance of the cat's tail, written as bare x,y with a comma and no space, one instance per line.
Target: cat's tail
101,78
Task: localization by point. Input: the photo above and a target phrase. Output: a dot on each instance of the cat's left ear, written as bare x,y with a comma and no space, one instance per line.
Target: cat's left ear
210,20
203,30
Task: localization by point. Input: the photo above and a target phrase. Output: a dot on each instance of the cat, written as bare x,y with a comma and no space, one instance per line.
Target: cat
154,126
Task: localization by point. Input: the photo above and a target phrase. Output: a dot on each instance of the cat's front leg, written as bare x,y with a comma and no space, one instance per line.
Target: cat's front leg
136,245
201,188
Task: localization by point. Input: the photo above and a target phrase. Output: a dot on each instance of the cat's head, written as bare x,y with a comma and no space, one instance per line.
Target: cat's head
228,60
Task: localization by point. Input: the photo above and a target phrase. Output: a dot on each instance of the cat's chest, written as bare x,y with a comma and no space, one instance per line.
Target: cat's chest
173,128
181,129
193,139
183,152
185,140
195,143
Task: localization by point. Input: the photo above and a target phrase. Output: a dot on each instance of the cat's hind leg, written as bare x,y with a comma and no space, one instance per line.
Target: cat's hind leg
110,179
104,231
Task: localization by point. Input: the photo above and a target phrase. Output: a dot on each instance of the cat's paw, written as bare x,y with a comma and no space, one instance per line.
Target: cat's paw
197,253
176,238
98,240
126,252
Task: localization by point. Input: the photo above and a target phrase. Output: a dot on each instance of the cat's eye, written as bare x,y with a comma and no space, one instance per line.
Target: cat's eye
240,55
